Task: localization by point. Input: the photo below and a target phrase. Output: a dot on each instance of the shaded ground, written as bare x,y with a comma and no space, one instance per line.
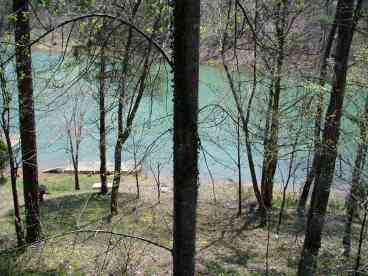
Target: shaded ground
227,245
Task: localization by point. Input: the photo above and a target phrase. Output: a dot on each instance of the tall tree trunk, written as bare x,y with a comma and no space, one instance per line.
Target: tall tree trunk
245,116
356,187
346,23
245,122
271,153
5,121
318,121
102,78
119,142
271,142
123,134
27,119
265,158
117,164
186,140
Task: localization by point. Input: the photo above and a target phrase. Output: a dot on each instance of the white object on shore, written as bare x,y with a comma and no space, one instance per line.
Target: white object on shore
54,170
97,185
127,167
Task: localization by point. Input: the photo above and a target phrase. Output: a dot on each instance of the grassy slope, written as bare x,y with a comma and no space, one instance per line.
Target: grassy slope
227,245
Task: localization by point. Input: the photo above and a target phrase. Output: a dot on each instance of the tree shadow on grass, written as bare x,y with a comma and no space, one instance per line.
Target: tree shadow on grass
66,214
220,231
76,211
228,239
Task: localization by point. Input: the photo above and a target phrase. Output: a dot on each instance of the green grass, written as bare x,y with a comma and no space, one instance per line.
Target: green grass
226,245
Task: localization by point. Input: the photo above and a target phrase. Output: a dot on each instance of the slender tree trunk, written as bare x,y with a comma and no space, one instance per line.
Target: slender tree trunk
318,122
137,184
308,184
158,184
123,134
102,78
356,187
13,176
186,140
245,123
346,22
117,164
271,143
27,119
119,142
271,154
246,117
265,156
75,156
248,145
5,121
238,150
76,171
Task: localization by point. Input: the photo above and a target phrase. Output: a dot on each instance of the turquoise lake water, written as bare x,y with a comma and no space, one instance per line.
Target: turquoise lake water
152,138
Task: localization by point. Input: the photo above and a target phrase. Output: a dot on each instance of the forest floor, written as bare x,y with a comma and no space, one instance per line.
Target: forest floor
226,244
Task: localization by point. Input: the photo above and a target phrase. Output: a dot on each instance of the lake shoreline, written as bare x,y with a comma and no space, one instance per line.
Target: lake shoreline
207,56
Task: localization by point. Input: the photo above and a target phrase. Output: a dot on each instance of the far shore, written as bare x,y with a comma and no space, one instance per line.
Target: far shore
207,56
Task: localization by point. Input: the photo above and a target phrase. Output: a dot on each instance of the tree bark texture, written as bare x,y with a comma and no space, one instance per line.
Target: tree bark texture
120,142
318,121
346,22
27,119
272,133
102,107
186,140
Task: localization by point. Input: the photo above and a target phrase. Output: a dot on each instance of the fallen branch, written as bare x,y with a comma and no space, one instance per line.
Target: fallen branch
87,231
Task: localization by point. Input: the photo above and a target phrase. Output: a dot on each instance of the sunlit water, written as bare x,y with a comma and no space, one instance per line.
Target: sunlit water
151,140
